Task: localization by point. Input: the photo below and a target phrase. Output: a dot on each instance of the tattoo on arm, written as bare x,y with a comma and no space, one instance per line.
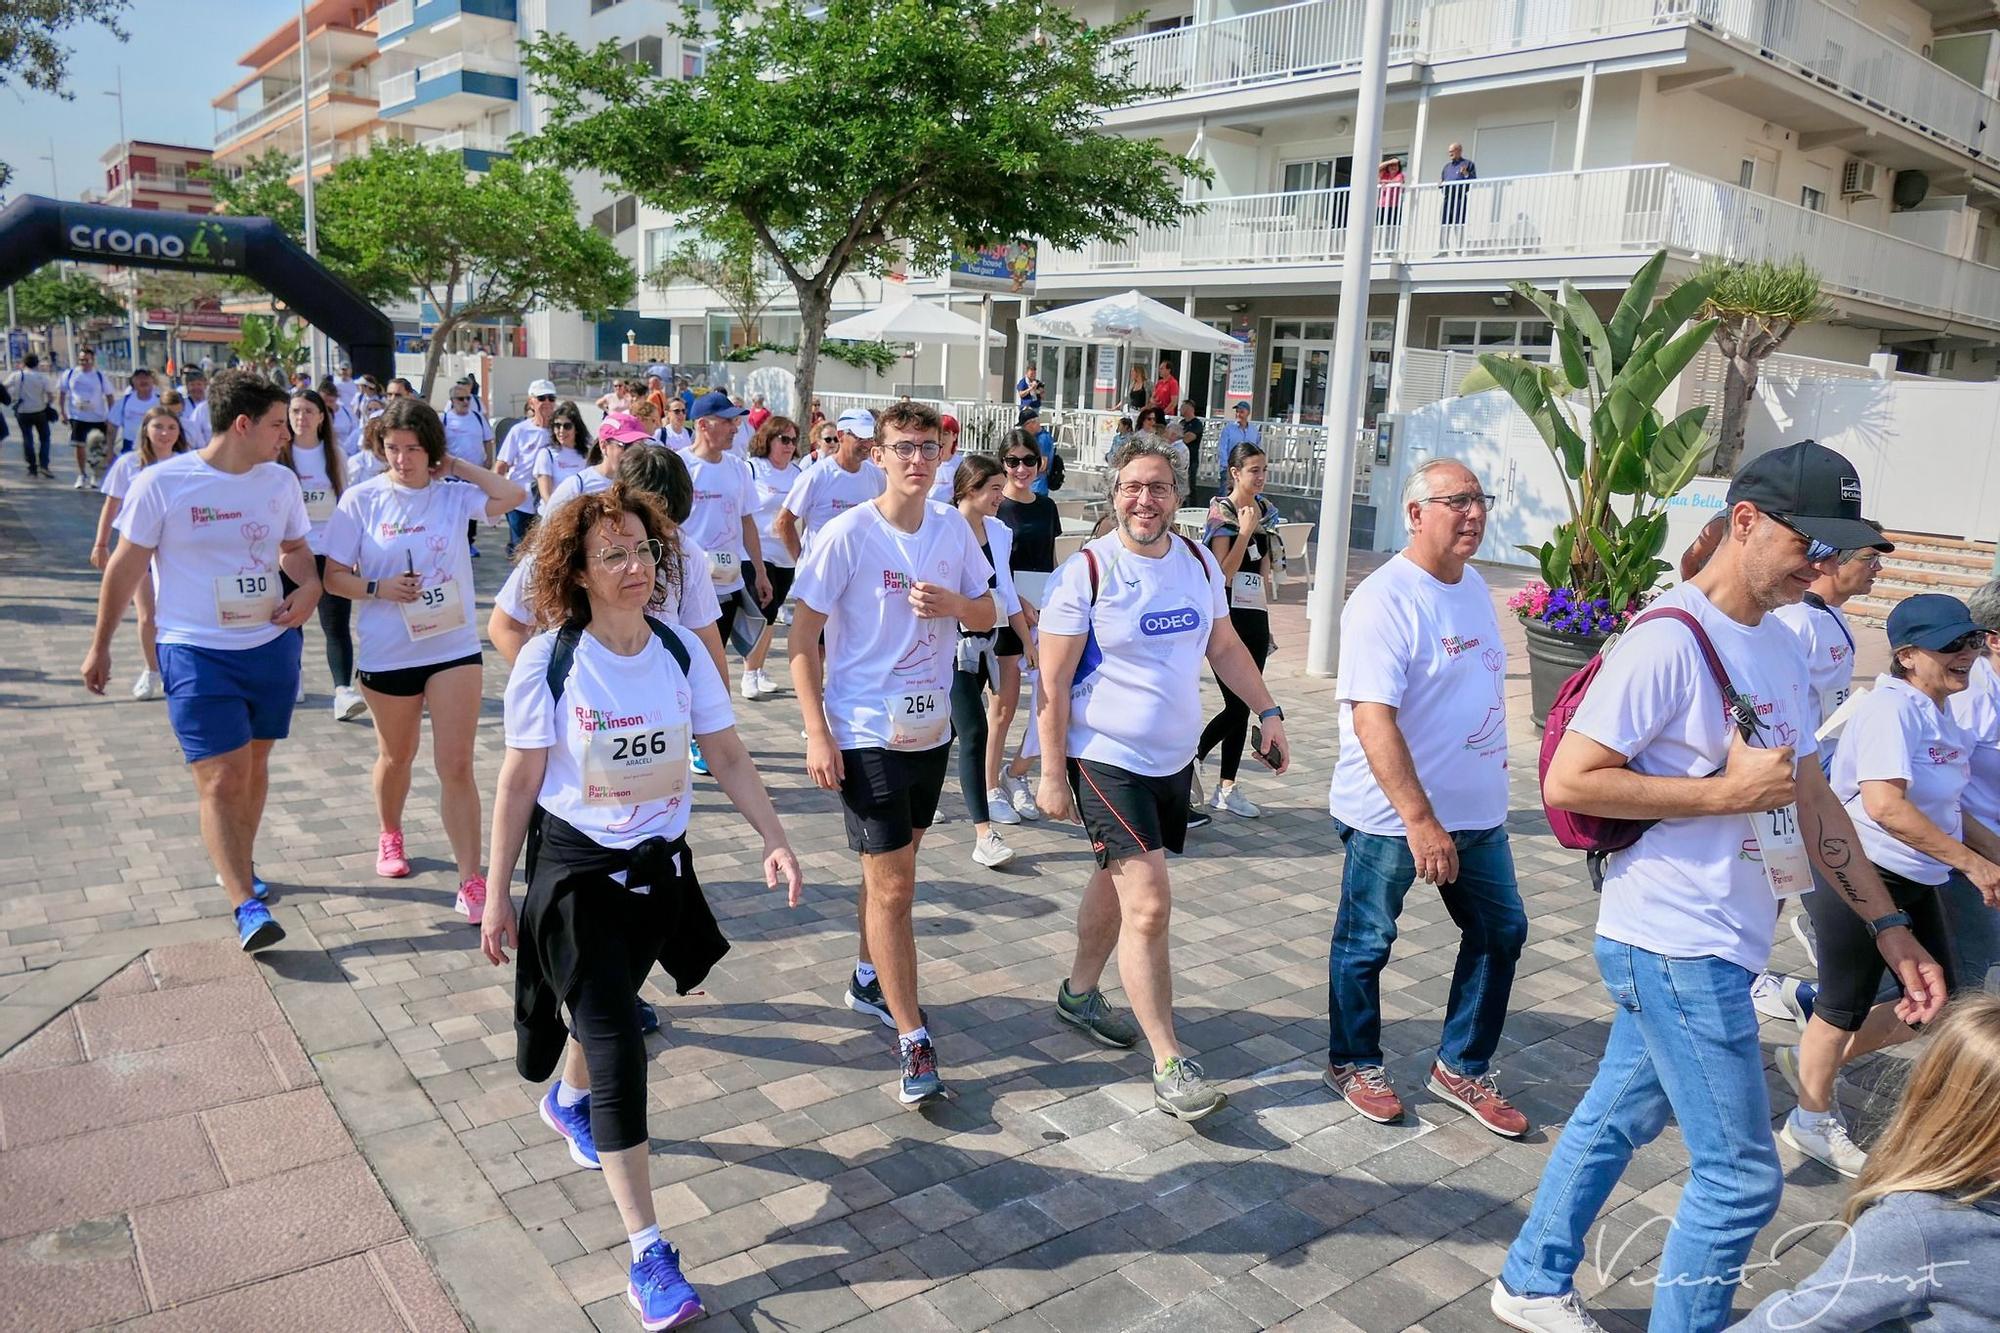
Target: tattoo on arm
1835,854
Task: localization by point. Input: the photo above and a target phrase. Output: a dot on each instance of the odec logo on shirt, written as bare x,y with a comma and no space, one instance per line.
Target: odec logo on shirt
1178,621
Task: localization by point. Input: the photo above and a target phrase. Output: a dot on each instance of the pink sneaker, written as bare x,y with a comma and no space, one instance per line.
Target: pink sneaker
472,899
390,863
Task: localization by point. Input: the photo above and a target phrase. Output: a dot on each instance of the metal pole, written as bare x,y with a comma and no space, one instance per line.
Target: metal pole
1350,354
306,137
131,189
69,325
985,373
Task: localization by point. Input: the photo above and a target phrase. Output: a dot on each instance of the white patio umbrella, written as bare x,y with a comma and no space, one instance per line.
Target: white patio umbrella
1129,318
903,319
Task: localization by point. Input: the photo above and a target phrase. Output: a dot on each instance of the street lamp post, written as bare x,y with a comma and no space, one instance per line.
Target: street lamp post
55,192
132,189
306,137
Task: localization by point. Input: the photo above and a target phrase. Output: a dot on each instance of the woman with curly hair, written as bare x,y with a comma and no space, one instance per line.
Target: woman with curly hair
599,714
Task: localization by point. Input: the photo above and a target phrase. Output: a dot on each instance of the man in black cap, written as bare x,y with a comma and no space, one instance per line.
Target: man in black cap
1687,913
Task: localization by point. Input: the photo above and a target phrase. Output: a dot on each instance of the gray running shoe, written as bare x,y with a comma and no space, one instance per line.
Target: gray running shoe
1183,1093
1091,1014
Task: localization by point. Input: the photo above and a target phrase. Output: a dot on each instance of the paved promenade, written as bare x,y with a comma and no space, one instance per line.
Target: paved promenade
334,1135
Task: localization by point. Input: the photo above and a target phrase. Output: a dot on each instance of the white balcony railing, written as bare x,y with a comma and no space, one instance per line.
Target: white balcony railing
400,88
1808,37
397,89
351,83
1615,211
146,180
466,141
395,16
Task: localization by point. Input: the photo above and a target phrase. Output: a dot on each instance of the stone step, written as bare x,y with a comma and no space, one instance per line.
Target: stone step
1914,579
1907,542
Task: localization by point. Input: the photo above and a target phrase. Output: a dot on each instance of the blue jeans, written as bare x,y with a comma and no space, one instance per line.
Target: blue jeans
1683,1040
1975,935
519,525
1485,903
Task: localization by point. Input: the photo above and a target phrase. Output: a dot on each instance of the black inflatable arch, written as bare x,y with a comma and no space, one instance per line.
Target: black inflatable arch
35,230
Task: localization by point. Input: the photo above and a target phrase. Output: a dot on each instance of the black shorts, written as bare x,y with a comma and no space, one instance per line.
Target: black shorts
1129,814
79,431
1850,965
408,682
781,587
1006,643
886,795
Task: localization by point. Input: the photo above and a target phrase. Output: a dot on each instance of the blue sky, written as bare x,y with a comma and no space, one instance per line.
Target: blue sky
180,55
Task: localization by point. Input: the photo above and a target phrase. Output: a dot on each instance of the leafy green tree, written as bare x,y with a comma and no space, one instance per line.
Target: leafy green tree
179,294
31,50
262,190
1756,306
734,268
52,294
848,134
485,247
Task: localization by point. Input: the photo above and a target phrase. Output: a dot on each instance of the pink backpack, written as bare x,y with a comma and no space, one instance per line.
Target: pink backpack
1598,834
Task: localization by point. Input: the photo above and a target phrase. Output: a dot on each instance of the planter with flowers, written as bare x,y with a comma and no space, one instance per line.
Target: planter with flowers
1621,459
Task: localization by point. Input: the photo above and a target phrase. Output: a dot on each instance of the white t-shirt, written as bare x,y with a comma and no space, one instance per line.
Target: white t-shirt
1829,645
1897,732
1431,651
216,537
1136,700
947,475
118,477
1976,709
678,440
86,394
521,451
773,488
128,412
1694,887
1000,541
558,465
362,465
693,600
723,495
347,391
381,530
888,673
587,482
30,389
620,729
317,487
465,435
195,422
827,489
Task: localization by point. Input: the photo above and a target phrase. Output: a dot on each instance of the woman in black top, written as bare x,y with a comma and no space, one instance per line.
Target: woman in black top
1035,522
1239,531
1138,393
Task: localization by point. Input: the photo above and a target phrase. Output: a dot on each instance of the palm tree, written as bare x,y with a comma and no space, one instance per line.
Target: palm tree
1757,305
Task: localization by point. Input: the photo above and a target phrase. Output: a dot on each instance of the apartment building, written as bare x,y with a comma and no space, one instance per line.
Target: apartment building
333,87
167,178
1860,135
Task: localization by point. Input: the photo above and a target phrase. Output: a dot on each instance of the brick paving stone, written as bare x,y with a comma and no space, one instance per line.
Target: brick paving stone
71,1180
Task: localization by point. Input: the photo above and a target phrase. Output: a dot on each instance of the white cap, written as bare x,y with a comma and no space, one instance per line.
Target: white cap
857,421
541,389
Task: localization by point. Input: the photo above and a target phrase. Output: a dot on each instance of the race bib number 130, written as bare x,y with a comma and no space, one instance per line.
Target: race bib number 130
242,600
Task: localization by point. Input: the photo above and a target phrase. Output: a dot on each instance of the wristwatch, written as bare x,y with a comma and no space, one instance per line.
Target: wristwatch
1889,922
371,587
1271,712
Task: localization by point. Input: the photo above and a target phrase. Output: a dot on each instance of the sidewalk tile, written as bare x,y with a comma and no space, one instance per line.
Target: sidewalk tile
146,1085
104,1173
190,964
344,1295
143,1022
415,1288
195,1247
56,1044
76,1277
274,1134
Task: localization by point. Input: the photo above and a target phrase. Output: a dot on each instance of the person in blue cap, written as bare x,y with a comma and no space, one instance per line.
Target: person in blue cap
1901,771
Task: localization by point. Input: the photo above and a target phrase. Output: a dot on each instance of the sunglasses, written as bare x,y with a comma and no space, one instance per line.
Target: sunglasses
1976,639
457,399
1817,551
540,398
1020,460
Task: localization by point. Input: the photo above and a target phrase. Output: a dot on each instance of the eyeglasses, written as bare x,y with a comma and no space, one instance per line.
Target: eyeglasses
460,398
562,425
647,552
784,439
908,449
1817,551
1021,460
1463,502
1134,490
1869,554
541,398
829,439
1975,639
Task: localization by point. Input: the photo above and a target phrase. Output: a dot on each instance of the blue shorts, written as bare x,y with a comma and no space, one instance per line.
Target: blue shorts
221,699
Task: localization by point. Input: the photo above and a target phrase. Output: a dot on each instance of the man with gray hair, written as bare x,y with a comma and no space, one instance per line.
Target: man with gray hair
1975,927
1420,792
1125,627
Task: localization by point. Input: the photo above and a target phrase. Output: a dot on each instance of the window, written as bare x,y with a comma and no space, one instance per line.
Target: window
1168,25
1529,337
599,6
647,51
1746,173
1812,199
616,217
693,64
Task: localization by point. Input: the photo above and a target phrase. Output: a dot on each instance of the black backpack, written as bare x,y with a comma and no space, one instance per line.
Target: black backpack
1055,467
564,656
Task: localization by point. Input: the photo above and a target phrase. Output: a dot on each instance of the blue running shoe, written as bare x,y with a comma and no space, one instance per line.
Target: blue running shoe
920,1073
255,927
258,888
649,1019
695,761
573,1123
663,1298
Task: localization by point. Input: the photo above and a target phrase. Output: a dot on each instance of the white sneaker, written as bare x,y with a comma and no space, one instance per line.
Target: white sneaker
1234,801
143,687
748,686
1020,797
300,697
82,483
1788,1067
348,703
764,682
1822,1137
1767,994
1196,793
1802,931
1542,1314
998,808
992,853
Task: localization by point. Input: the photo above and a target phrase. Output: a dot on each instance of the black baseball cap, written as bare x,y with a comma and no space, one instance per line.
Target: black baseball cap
1929,620
1811,488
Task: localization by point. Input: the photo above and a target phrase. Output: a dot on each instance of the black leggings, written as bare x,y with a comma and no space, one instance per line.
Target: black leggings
1229,727
617,940
968,723
781,588
1850,964
334,614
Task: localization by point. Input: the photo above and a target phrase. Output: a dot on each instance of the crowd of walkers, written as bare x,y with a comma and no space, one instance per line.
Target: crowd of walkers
922,592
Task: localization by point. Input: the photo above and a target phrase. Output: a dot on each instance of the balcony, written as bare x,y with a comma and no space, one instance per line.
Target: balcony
1619,214
443,93
146,180
347,84
436,26
1317,38
479,150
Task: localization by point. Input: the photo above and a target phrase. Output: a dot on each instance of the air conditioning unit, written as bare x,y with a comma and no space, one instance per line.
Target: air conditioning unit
1858,179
